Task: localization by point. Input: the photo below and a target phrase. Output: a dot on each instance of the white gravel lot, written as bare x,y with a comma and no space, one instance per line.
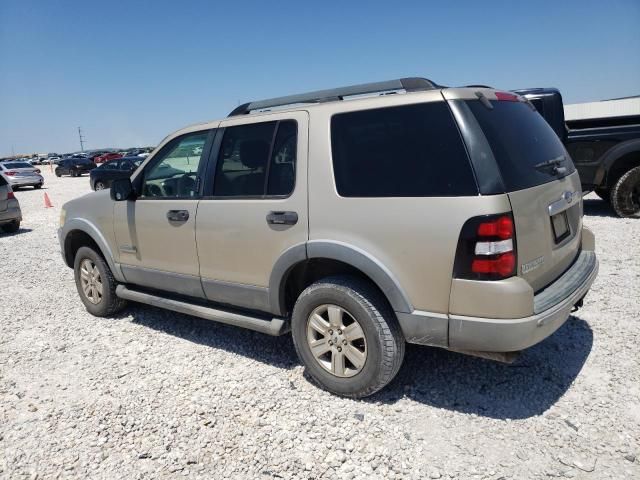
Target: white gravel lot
155,394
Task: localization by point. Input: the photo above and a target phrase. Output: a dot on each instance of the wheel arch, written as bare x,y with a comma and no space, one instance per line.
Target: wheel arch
302,264
80,233
616,161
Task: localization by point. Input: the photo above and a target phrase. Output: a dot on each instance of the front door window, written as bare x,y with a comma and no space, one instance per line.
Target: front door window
175,174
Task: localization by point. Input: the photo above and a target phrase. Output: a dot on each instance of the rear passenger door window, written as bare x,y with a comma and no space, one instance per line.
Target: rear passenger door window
406,151
257,160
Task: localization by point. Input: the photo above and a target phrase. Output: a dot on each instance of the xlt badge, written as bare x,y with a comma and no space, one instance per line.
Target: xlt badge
532,265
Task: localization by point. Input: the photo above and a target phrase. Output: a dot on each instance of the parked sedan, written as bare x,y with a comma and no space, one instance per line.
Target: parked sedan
74,167
10,214
21,174
101,177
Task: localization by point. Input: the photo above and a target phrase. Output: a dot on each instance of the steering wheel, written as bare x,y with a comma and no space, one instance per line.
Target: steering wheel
186,186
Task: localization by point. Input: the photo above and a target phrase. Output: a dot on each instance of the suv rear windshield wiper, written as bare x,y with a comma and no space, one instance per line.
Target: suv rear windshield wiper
554,164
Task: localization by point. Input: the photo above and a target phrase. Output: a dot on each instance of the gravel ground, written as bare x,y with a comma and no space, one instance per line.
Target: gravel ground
155,394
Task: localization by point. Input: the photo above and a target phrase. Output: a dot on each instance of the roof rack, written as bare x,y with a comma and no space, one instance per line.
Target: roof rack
411,84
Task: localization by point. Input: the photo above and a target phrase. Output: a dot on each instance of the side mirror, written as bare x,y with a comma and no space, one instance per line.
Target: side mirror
122,189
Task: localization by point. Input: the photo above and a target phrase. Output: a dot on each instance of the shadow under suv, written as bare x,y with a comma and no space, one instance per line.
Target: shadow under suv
358,218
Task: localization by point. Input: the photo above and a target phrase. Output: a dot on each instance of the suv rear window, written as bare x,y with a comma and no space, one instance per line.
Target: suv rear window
520,139
407,151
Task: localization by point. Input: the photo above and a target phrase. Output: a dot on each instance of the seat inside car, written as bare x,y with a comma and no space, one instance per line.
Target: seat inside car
253,155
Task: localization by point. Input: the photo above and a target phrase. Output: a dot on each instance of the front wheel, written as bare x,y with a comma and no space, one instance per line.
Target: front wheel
625,194
99,186
95,283
347,336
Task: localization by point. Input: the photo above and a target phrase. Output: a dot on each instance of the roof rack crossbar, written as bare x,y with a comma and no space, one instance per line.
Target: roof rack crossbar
411,84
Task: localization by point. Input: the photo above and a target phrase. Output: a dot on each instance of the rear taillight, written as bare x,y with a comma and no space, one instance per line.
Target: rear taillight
10,195
487,248
10,173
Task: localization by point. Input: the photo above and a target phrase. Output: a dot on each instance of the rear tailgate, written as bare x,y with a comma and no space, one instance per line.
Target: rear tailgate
541,182
548,221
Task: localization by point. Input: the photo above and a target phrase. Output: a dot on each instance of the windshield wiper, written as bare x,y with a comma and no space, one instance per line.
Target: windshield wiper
554,164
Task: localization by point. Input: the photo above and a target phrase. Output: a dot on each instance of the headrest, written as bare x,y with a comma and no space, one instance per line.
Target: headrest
254,153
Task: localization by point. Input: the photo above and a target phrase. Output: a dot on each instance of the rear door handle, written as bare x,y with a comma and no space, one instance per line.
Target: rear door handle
178,215
282,218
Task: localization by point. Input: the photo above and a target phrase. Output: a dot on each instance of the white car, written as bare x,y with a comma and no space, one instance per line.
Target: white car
21,174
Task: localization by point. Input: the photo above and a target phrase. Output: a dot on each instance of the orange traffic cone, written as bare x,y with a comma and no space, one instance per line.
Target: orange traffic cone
47,202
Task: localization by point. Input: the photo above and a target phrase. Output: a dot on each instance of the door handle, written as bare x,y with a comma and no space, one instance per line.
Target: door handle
282,218
178,215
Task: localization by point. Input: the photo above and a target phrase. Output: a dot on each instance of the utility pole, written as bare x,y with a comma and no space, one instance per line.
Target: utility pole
81,139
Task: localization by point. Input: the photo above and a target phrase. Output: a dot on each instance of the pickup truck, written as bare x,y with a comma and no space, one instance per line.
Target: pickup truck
605,149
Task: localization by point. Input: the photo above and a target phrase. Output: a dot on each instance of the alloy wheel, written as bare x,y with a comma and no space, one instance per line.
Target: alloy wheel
336,340
91,281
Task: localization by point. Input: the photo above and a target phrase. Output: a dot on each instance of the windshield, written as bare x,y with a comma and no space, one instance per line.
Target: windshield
526,148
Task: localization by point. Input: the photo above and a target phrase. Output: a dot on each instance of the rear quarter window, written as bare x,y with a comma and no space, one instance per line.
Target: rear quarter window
520,139
406,151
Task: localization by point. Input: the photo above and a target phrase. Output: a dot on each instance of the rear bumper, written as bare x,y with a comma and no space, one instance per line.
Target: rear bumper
552,307
26,181
10,214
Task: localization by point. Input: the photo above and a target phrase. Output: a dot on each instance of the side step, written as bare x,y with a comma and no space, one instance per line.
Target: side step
271,326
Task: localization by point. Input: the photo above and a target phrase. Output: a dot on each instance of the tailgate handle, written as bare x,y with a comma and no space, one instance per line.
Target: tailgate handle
563,204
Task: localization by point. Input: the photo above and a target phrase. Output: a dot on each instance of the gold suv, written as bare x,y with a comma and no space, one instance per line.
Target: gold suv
358,218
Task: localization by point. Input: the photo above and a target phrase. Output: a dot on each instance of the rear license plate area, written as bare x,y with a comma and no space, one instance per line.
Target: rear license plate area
560,226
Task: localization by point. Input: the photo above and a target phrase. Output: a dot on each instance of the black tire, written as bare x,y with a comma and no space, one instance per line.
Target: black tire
58,174
384,339
99,186
603,193
74,173
625,194
38,187
12,227
109,303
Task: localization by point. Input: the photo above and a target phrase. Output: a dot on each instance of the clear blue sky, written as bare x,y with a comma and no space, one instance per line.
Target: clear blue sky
130,72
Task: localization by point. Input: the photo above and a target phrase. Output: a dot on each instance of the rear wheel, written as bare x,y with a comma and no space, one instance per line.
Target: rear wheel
12,227
37,186
625,194
95,283
347,336
58,174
